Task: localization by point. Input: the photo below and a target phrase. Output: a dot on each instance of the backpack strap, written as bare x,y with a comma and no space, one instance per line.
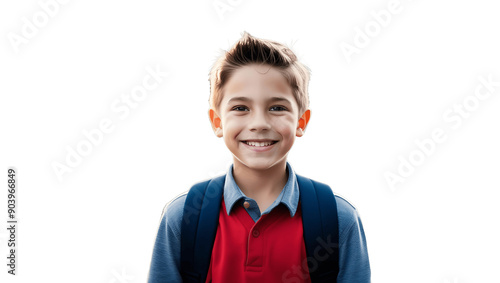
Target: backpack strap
199,227
320,224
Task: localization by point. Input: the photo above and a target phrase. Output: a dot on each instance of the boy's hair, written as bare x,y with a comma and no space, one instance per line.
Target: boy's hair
251,50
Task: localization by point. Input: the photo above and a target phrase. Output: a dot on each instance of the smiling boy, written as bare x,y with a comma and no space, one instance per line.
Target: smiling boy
258,105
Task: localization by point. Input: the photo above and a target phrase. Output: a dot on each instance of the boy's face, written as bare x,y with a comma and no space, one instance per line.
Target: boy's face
258,104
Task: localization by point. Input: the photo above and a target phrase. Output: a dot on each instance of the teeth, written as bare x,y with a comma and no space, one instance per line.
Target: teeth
258,143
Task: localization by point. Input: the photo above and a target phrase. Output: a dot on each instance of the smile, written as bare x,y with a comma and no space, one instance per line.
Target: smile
260,143
259,146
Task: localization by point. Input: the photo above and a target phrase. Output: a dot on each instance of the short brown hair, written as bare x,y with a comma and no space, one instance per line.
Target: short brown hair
249,50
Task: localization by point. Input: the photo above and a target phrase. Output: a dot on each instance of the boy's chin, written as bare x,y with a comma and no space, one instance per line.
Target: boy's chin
256,163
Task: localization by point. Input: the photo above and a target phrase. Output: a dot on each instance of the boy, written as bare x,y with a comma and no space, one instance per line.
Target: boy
258,104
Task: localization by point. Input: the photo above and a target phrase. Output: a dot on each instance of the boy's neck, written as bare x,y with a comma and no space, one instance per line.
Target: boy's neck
260,185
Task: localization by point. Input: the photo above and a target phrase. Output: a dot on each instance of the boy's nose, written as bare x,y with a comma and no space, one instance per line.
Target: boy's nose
259,122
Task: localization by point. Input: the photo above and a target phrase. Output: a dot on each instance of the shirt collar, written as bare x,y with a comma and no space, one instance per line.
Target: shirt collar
289,195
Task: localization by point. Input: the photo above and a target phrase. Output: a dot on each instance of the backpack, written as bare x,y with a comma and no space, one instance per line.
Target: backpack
201,217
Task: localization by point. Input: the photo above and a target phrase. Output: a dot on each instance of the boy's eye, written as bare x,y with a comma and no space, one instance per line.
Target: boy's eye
236,107
279,106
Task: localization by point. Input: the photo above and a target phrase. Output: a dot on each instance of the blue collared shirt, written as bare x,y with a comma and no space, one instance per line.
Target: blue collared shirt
354,264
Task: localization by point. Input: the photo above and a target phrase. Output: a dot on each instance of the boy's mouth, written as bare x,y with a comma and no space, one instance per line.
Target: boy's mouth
259,143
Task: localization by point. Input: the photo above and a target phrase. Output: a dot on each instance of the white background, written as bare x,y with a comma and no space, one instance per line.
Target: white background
99,222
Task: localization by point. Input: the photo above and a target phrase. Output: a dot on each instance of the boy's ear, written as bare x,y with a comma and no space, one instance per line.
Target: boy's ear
215,121
303,121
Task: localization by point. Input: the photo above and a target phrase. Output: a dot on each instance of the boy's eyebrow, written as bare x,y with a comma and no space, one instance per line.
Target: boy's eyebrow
272,99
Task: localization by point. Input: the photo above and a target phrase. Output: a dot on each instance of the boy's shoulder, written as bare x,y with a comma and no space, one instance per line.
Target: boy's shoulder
348,217
173,210
344,206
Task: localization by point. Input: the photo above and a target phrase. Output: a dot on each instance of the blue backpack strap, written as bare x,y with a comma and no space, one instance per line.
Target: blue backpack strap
320,224
199,227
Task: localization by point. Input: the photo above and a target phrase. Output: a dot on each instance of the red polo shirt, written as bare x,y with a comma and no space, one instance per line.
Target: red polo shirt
267,251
